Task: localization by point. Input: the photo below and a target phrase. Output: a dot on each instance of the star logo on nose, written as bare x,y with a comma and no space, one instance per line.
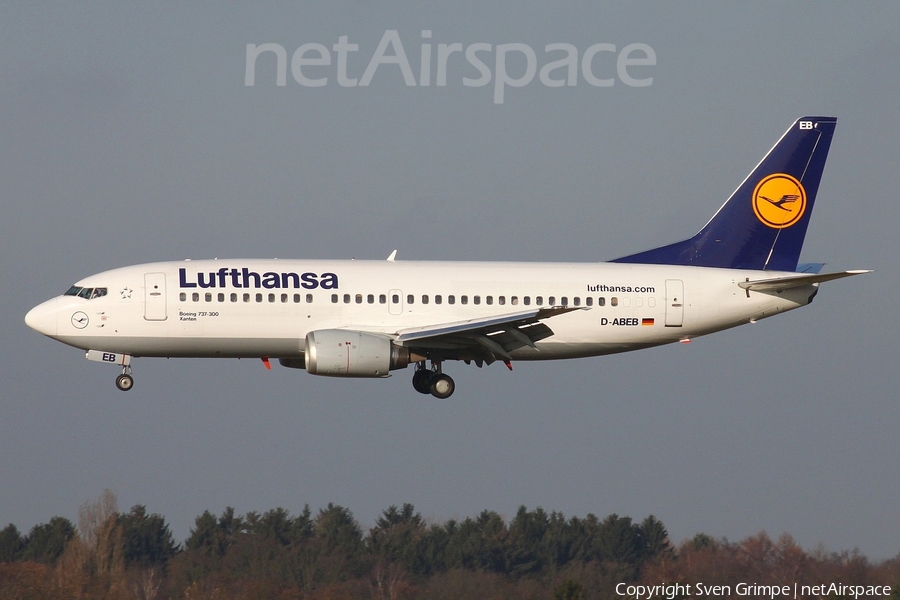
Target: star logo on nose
126,293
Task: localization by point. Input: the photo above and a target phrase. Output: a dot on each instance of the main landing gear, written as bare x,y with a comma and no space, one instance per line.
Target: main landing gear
432,381
125,381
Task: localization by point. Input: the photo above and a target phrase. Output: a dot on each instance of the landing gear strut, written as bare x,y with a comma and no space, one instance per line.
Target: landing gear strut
432,381
125,381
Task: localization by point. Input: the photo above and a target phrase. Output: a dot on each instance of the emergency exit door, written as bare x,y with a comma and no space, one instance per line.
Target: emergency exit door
395,302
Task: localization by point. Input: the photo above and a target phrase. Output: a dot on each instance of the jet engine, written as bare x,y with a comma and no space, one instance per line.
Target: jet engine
347,353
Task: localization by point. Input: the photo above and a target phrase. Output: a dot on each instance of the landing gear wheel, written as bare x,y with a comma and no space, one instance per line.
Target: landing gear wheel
124,382
422,381
442,386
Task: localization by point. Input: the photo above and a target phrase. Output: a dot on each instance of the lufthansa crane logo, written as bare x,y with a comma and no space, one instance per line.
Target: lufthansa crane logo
779,200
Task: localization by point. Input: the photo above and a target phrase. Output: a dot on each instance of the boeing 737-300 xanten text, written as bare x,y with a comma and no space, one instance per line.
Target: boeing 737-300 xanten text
366,318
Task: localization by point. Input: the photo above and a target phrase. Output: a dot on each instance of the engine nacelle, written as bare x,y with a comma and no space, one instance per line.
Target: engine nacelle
345,353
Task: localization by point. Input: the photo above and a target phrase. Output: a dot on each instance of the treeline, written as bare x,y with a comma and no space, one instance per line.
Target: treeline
539,555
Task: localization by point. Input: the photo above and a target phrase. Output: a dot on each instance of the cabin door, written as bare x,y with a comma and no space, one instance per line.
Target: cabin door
674,302
155,296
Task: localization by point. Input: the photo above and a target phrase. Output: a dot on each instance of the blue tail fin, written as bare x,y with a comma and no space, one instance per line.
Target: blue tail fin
763,223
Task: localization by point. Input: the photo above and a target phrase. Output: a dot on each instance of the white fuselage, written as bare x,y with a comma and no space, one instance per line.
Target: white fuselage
265,308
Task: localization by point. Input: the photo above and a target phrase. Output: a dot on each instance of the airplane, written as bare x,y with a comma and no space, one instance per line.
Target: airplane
366,318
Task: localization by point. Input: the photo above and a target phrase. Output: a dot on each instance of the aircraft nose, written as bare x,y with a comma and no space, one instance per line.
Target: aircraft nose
42,318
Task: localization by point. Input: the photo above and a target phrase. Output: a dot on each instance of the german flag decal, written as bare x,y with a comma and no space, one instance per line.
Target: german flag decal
646,321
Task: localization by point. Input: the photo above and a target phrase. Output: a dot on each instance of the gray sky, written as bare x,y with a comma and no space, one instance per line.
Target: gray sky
127,135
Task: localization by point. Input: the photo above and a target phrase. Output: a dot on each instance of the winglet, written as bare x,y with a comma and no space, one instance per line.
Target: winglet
392,256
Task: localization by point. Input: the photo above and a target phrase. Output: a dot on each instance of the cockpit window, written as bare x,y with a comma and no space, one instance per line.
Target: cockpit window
86,293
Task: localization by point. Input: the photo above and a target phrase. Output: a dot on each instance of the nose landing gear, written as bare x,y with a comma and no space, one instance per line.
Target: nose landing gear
125,381
433,381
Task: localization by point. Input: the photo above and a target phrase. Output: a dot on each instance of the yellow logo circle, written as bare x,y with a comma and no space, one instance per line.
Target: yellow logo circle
779,200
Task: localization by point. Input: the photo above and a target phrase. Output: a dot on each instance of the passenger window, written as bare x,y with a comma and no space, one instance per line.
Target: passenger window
526,300
370,299
382,299
613,301
221,297
395,299
246,297
195,297
451,299
588,301
359,298
410,299
208,296
334,298
514,300
476,299
564,301
346,298
438,299
259,297
296,298
182,296
626,301
551,300
284,297
464,300
638,301
424,299
651,302
309,298
576,301
539,300
489,300
234,297
601,301
271,297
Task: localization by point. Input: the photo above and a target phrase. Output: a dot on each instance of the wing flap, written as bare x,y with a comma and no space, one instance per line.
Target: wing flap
485,325
494,336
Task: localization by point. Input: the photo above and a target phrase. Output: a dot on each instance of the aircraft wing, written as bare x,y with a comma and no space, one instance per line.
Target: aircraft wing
785,283
485,339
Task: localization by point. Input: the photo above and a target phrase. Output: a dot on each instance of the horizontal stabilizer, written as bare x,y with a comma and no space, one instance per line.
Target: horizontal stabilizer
809,267
787,283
